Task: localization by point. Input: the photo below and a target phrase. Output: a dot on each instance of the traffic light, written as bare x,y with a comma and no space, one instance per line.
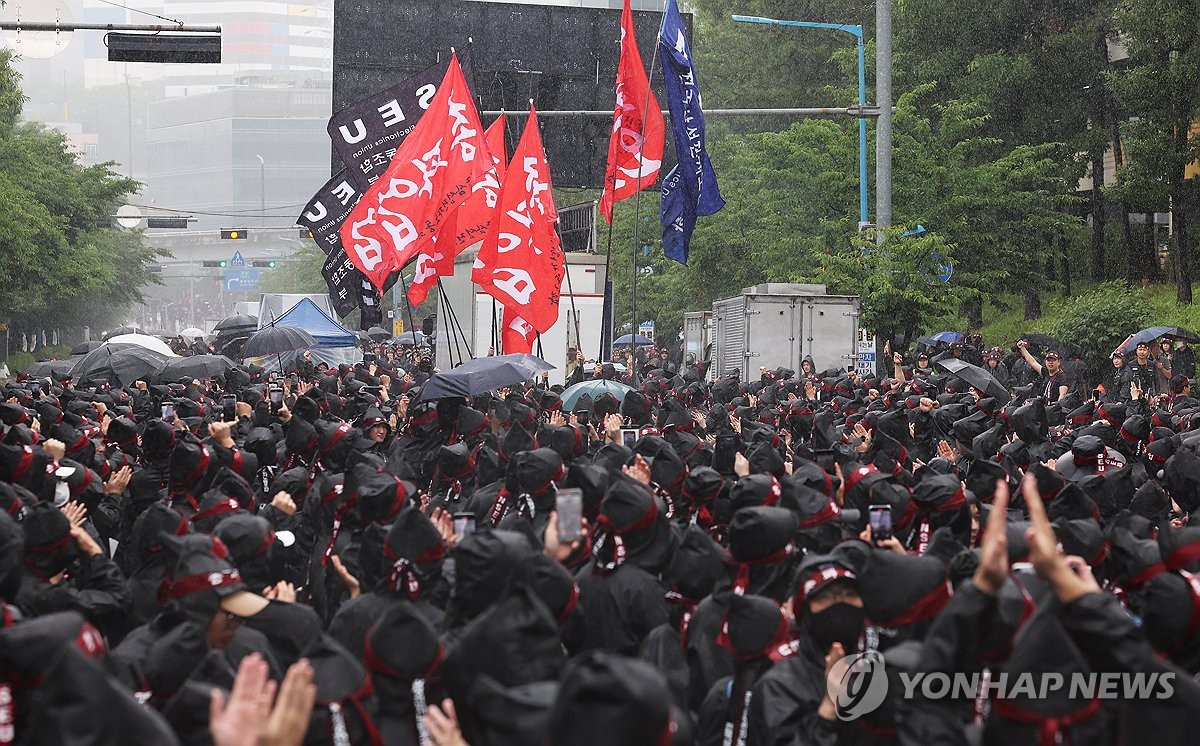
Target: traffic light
216,263
268,263
234,233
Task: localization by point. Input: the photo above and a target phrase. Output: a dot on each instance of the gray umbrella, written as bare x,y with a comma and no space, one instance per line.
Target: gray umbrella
276,340
976,377
121,363
483,374
239,321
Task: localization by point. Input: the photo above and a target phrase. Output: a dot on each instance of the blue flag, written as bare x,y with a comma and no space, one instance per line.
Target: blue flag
691,187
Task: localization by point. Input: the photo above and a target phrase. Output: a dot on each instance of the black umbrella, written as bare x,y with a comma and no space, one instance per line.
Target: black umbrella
84,348
121,363
122,330
976,377
239,321
483,374
196,366
1042,340
51,368
378,333
410,338
1152,333
229,342
361,336
276,340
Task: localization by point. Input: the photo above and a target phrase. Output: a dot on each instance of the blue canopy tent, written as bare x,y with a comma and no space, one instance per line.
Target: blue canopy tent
335,343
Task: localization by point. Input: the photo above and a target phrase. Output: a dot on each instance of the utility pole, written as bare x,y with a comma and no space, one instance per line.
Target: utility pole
883,127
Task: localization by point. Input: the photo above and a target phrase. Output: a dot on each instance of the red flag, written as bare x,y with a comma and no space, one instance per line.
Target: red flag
520,263
469,225
636,144
516,334
431,173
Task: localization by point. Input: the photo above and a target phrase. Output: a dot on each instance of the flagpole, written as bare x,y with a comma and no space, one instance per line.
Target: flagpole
637,202
407,305
606,332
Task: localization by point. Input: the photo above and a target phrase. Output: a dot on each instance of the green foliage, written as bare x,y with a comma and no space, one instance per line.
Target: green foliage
63,266
1100,320
300,273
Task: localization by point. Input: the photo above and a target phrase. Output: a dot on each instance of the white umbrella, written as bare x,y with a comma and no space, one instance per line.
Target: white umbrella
192,332
145,340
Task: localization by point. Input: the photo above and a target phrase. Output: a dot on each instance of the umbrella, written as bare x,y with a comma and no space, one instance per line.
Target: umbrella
410,338
142,340
361,336
122,330
239,321
594,388
229,343
121,363
630,339
976,377
50,368
275,340
1042,340
84,348
483,374
192,332
1153,333
196,366
947,337
378,333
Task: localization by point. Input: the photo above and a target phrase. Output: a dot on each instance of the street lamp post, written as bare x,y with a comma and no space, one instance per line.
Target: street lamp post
262,190
856,31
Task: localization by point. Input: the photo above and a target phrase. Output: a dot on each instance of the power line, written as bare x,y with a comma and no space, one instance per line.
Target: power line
143,12
254,213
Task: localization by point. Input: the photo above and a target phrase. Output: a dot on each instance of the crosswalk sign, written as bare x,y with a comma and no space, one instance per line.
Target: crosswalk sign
237,260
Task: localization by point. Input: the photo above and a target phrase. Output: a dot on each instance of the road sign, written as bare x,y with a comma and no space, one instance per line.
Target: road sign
129,216
242,280
397,327
237,260
646,329
865,364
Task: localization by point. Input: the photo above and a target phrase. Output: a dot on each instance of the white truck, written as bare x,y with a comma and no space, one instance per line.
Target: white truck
779,324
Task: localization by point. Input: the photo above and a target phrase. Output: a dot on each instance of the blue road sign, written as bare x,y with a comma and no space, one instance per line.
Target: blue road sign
242,280
237,260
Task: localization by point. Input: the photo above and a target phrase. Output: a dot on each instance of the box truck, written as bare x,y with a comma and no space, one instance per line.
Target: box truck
779,324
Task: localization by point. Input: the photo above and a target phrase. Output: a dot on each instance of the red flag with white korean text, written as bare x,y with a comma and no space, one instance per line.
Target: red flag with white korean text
516,334
521,263
430,175
469,225
635,148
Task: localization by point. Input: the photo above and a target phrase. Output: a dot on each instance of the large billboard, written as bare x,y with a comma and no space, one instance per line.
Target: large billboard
564,58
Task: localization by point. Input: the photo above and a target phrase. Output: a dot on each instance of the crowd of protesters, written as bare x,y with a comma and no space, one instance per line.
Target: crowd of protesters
322,556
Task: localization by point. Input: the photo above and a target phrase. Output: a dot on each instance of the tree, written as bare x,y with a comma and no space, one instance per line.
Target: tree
66,267
1159,86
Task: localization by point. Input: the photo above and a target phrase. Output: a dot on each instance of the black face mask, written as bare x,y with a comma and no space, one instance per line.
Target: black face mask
839,623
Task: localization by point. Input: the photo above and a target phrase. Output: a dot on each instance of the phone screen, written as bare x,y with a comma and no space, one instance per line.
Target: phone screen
569,506
881,522
464,523
168,411
826,458
229,407
276,398
35,388
724,453
582,417
629,436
